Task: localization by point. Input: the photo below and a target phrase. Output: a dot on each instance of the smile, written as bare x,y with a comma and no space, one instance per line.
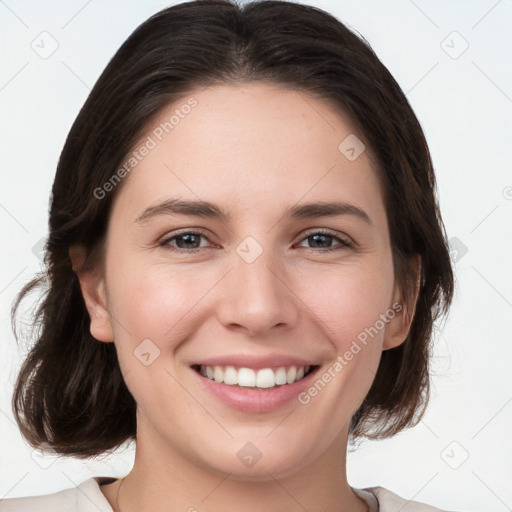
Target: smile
262,378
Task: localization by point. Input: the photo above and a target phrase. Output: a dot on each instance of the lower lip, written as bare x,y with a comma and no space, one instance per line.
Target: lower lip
254,401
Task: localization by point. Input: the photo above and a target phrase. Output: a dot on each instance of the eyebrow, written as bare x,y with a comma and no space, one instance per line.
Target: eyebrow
210,210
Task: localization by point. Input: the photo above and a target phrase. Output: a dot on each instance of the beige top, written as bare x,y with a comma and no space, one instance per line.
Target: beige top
87,497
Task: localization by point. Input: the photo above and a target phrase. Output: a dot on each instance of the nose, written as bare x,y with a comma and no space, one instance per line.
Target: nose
258,297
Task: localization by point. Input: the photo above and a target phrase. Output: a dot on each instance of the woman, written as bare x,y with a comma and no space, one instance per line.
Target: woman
245,261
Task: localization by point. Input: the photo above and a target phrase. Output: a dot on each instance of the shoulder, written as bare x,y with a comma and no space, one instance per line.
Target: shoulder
86,497
391,502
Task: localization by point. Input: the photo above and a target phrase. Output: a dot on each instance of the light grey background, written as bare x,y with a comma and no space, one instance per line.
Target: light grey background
458,457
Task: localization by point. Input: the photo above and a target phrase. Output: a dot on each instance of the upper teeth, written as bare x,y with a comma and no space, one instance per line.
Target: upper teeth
263,378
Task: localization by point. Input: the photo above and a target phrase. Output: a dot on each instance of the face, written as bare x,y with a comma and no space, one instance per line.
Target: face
191,297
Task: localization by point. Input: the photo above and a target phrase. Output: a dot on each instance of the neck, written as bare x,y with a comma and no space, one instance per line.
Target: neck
163,479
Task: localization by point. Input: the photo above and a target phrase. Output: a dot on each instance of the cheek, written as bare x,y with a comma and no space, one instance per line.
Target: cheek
155,310
158,302
349,299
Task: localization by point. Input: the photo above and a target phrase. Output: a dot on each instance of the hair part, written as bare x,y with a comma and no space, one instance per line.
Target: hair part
70,391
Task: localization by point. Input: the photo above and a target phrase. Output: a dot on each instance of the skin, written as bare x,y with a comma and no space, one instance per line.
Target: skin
254,149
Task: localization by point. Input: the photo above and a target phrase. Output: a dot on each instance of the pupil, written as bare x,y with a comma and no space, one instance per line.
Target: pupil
315,237
188,238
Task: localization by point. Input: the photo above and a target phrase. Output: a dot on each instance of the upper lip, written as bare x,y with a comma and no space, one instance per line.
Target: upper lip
255,362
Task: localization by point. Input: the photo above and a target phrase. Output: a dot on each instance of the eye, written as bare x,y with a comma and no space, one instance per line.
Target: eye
186,240
324,238
190,241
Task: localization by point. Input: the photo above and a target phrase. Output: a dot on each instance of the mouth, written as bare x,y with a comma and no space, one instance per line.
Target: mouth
261,379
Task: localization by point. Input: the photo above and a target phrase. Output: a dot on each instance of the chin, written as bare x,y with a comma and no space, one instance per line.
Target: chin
252,465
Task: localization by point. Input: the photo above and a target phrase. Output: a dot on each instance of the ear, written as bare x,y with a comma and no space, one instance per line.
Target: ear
93,289
398,328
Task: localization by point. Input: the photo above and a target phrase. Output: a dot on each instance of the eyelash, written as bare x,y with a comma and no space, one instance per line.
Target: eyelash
344,243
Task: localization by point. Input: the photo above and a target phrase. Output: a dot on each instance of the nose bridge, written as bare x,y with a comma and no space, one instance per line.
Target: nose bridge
256,269
259,297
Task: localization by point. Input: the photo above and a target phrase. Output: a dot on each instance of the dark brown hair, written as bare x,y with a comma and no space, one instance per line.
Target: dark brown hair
70,392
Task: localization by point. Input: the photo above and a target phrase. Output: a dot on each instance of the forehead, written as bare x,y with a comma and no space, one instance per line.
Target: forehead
251,144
